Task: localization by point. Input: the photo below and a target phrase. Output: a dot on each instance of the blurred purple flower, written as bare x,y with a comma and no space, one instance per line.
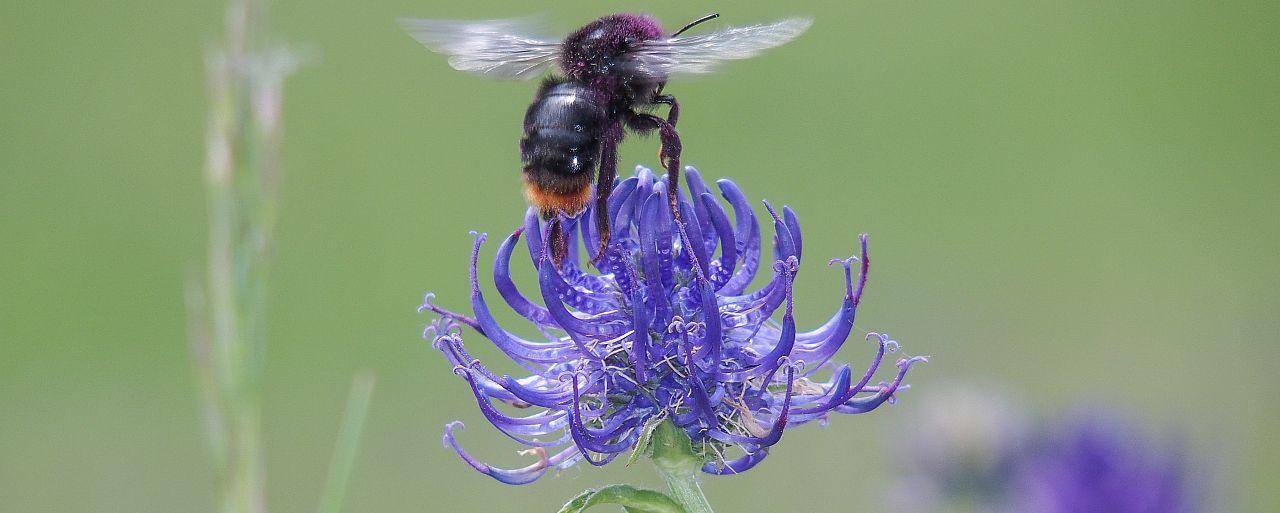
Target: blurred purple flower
662,331
1097,465
972,450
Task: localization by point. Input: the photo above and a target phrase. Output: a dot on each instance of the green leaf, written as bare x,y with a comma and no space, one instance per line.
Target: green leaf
632,499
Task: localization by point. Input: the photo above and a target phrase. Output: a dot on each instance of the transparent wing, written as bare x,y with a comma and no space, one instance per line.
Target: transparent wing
493,48
702,53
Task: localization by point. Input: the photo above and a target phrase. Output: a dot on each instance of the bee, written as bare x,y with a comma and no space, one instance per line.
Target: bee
613,72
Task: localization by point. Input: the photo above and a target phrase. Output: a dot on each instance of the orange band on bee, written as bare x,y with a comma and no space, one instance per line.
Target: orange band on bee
550,203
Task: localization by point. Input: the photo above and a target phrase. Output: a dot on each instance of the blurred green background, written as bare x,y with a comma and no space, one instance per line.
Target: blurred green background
1079,201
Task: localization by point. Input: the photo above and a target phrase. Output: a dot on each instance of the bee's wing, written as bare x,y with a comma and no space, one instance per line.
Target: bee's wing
702,53
491,48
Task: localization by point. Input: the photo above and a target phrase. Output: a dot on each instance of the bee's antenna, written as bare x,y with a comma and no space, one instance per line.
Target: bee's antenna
694,23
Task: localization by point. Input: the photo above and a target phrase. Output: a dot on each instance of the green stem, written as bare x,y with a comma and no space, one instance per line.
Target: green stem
686,492
678,464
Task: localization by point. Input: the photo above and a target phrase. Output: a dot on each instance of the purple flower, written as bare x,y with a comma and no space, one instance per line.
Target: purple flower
974,450
664,328
1100,466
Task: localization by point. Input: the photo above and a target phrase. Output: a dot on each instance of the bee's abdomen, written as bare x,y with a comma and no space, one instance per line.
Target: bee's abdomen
562,130
561,146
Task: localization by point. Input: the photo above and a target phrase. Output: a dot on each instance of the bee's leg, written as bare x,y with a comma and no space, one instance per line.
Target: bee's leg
673,113
559,246
669,155
604,184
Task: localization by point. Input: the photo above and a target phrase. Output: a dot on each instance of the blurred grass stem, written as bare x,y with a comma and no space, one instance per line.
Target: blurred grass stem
344,451
242,176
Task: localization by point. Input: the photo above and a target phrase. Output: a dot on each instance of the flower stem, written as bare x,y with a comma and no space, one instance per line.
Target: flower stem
678,464
686,492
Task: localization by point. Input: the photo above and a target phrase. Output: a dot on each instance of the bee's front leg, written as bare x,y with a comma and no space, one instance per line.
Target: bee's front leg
673,114
669,155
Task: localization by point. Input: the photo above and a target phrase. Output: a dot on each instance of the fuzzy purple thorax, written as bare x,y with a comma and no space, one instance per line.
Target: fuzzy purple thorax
664,328
585,51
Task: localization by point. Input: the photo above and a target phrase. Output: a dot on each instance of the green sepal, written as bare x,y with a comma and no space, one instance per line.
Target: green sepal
672,450
646,434
632,499
678,463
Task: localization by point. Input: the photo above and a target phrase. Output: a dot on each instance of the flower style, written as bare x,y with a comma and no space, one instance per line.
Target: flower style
665,329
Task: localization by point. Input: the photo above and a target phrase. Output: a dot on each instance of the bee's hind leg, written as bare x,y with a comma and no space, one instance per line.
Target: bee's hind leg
556,238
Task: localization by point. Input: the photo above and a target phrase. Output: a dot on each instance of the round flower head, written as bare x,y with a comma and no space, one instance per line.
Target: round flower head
663,328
